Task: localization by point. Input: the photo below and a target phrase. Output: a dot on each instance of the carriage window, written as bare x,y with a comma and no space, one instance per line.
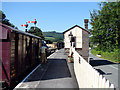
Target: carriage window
4,33
4,37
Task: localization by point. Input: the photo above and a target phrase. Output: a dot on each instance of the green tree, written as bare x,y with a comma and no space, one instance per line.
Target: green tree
2,16
105,32
53,36
4,20
37,31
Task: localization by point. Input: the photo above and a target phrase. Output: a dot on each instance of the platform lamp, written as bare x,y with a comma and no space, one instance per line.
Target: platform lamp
70,37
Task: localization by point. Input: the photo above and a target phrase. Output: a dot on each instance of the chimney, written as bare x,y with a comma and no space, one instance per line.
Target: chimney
86,23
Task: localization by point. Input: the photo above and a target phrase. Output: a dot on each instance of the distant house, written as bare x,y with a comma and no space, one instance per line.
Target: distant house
79,40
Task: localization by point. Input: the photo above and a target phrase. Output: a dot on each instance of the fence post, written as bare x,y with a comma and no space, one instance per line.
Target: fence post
111,86
100,81
107,85
103,82
87,76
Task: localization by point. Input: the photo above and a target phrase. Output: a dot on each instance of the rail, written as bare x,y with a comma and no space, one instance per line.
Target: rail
86,75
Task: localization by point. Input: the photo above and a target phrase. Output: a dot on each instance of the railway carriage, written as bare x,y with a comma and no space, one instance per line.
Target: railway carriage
60,45
19,51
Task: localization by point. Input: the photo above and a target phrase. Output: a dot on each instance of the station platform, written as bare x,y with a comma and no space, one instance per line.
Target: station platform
57,73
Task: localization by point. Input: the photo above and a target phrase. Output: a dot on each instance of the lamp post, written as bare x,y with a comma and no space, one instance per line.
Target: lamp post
70,37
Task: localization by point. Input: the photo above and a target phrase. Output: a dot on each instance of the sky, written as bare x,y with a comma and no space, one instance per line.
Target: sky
50,16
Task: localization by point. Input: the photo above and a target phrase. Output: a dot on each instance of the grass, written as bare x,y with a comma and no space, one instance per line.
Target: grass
49,38
111,56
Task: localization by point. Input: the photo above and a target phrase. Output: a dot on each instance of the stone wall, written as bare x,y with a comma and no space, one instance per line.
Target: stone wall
84,51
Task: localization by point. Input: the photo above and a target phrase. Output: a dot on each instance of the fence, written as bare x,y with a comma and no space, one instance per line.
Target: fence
86,75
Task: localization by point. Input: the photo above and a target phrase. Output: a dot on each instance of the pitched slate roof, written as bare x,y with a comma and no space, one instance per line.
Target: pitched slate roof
74,27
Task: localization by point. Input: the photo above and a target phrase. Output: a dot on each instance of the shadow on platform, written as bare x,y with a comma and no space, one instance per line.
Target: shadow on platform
102,72
54,69
100,62
58,68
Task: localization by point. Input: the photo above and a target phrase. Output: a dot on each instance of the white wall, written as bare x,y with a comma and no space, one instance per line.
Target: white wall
77,32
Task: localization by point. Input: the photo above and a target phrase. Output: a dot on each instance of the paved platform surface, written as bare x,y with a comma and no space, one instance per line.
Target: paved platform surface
108,69
57,73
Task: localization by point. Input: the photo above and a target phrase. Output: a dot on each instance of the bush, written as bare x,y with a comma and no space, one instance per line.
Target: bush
95,52
112,56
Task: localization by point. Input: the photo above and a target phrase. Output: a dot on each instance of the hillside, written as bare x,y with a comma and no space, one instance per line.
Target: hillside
53,36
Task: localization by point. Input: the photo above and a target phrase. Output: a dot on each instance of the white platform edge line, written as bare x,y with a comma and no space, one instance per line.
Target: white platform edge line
51,55
26,77
31,73
113,67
